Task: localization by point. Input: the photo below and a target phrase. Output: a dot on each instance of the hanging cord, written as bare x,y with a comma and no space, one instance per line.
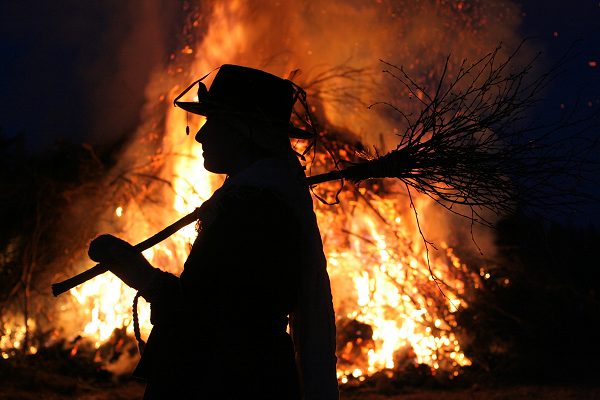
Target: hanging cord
136,324
201,91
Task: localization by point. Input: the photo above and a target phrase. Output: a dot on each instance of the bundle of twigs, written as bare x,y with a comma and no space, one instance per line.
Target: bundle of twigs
471,144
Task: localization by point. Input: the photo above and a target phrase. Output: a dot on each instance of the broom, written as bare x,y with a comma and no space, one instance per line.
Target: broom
463,148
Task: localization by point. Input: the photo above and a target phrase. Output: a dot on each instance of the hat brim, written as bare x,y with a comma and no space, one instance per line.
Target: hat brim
205,108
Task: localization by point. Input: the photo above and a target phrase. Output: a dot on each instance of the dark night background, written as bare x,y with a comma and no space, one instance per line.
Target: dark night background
75,72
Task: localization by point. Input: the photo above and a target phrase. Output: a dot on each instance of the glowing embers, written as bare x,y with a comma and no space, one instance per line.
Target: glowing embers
390,310
13,337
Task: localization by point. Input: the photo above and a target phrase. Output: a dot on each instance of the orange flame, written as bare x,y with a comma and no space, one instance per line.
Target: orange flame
380,272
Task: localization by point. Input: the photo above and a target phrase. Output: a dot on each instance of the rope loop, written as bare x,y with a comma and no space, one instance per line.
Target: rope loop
136,324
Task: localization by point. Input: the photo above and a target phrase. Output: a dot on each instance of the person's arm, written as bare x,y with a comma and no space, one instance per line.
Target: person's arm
159,288
313,332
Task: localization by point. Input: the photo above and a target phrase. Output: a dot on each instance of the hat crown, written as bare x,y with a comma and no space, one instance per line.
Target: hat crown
252,91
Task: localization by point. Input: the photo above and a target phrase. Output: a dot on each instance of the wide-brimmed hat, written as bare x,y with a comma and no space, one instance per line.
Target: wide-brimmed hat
249,93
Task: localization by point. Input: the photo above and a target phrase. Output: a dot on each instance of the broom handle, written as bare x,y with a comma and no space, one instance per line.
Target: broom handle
68,284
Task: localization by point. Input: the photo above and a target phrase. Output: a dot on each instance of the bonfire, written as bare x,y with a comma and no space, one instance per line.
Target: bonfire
451,150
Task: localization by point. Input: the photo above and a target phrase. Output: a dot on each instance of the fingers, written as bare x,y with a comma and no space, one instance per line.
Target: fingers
105,248
121,259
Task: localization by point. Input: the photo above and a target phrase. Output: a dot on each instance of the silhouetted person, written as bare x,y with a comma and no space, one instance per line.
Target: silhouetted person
219,330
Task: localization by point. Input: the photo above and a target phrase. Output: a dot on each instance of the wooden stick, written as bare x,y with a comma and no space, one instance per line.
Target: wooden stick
68,284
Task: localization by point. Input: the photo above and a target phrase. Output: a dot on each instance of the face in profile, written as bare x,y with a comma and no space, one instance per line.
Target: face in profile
221,143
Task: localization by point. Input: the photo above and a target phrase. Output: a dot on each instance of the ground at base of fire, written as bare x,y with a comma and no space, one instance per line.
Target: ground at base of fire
53,376
521,392
134,390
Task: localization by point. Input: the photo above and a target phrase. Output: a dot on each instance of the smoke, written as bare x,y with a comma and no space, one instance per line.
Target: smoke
81,69
320,37
138,41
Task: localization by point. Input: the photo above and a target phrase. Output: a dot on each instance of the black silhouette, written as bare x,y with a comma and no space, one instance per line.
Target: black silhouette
219,330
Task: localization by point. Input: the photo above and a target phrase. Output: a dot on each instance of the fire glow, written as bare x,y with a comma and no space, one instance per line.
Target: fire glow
389,307
380,279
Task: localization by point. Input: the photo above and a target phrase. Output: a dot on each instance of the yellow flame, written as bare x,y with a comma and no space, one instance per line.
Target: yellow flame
388,283
379,270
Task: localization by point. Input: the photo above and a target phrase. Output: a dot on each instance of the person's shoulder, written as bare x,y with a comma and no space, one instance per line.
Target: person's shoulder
255,199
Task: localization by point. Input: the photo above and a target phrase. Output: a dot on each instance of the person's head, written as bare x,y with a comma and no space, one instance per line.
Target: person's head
230,143
248,117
